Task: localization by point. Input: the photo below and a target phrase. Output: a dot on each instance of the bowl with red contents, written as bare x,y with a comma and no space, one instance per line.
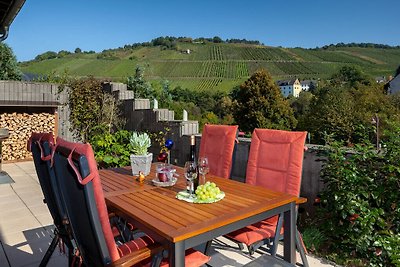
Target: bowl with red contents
165,172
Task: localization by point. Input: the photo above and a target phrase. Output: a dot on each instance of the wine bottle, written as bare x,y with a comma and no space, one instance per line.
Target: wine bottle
192,157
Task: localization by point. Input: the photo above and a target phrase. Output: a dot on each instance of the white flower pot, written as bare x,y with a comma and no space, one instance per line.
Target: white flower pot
141,163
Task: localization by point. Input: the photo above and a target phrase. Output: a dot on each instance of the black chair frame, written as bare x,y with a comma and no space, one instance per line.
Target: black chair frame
41,152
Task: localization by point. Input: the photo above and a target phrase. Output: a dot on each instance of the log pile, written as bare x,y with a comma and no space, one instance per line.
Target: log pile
20,127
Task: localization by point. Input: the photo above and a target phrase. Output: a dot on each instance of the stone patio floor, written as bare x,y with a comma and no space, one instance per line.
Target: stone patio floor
26,227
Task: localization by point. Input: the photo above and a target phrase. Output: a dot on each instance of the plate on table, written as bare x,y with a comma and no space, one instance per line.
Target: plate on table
183,195
171,182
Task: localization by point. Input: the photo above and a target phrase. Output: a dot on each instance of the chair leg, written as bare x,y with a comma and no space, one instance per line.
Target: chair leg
156,261
207,248
50,251
277,236
253,247
302,248
70,257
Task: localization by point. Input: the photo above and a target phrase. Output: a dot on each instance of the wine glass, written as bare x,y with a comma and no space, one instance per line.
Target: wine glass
190,171
203,169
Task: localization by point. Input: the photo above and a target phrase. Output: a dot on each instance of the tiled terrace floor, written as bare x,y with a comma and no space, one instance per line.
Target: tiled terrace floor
26,225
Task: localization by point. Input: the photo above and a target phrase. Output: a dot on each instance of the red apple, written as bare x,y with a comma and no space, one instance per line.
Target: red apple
162,175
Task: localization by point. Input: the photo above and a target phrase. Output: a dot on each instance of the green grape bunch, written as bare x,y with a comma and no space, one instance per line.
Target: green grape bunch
207,191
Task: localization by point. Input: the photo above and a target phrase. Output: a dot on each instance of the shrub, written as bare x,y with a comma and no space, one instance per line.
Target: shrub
313,238
361,202
112,150
93,110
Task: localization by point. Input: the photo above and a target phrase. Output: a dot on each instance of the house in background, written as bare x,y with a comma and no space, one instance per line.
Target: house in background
382,79
308,84
291,87
393,86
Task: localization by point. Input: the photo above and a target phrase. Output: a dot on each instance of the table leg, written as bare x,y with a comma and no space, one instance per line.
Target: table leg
289,220
177,254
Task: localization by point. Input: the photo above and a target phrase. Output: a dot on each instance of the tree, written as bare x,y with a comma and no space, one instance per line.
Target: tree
346,114
78,50
350,76
217,39
8,64
46,55
344,108
332,113
138,85
165,96
258,103
93,111
301,104
63,53
209,117
223,107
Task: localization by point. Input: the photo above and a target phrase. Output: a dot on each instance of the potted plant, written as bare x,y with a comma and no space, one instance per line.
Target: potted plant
140,159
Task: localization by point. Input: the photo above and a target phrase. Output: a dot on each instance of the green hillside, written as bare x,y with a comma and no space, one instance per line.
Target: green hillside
219,66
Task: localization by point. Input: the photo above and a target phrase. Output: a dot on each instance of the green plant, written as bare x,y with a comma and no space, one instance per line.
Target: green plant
112,149
258,103
140,143
313,238
160,138
91,108
360,205
9,70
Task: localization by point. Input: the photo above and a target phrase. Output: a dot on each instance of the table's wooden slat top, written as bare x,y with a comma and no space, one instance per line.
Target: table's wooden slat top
120,180
158,209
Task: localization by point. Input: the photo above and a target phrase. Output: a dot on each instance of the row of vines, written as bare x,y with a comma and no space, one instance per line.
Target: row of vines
239,69
219,69
224,52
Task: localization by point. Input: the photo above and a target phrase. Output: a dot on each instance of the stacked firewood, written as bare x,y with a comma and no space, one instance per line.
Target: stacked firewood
20,127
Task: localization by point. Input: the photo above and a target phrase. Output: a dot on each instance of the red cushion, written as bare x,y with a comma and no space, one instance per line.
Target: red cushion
115,231
193,258
217,143
86,149
134,245
276,160
255,232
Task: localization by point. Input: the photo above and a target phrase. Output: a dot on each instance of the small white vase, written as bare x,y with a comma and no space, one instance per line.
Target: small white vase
141,163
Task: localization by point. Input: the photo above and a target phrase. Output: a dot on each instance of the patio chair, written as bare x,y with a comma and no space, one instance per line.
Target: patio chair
82,195
40,145
275,162
217,144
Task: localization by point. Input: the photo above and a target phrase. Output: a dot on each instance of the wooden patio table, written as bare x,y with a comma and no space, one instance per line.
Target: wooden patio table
182,225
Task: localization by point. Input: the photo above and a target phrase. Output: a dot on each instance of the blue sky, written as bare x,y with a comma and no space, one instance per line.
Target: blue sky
44,25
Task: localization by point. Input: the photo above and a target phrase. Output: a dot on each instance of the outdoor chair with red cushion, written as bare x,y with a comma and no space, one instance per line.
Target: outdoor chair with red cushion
82,195
275,162
217,144
40,144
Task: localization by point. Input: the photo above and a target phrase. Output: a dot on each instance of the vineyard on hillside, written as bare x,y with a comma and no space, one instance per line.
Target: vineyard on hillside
209,66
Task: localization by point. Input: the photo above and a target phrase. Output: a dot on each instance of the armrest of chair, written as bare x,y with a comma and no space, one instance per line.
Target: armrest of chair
137,256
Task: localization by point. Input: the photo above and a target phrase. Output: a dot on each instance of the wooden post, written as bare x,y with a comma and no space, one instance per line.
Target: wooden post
55,124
